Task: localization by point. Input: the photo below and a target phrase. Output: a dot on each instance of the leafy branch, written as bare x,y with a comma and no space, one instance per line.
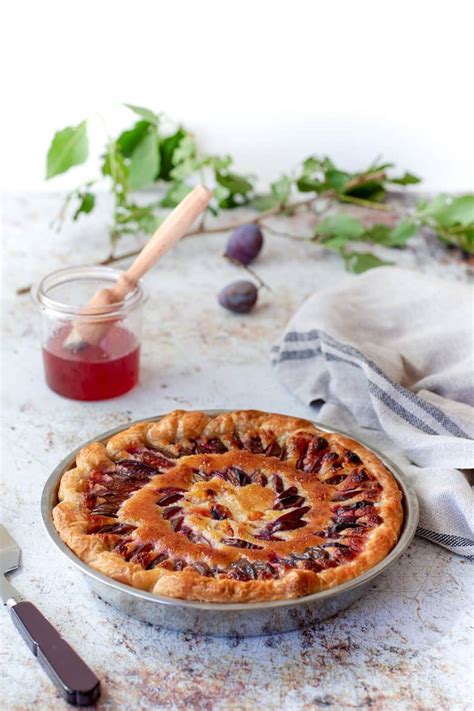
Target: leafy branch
148,154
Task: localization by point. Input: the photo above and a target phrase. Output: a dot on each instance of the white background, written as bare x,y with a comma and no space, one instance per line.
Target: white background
270,81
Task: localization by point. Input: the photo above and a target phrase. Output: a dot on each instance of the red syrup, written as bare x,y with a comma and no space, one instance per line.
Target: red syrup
97,372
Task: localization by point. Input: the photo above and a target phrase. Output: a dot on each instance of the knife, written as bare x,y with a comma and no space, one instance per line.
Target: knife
77,683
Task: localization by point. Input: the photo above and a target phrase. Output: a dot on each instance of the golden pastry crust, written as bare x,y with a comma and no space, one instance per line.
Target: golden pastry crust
242,507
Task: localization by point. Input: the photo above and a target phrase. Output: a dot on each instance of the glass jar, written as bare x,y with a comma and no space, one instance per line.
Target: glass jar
93,355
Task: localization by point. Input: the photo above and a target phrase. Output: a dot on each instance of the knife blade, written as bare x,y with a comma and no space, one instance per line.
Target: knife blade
77,683
10,555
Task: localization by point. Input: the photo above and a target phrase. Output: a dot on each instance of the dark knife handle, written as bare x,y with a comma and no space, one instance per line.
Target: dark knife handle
76,682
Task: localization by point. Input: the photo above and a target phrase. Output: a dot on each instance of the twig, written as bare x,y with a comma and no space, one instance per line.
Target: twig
280,209
374,176
365,203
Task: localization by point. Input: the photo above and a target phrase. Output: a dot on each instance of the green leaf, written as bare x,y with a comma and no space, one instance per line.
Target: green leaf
372,190
236,184
138,218
144,161
340,225
337,243
217,162
448,211
462,238
69,147
337,180
380,234
114,166
175,194
314,174
184,158
281,189
406,179
310,185
262,203
400,234
460,211
129,140
146,114
396,237
86,205
427,209
310,165
358,262
187,149
168,147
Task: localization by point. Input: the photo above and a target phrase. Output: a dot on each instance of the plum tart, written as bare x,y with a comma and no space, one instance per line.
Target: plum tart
242,507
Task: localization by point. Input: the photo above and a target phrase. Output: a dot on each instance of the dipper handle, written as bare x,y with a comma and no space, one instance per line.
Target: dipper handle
167,234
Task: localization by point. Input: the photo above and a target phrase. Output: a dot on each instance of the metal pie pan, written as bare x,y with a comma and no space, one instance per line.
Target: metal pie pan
232,619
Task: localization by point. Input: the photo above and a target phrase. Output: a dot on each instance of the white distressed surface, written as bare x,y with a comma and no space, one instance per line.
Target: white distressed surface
405,646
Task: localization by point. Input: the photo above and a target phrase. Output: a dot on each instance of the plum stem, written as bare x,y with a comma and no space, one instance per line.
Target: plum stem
251,271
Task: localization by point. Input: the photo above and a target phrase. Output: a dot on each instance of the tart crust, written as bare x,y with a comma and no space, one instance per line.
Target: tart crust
246,506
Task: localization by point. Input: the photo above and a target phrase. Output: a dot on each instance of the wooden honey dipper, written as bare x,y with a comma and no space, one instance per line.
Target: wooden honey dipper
85,333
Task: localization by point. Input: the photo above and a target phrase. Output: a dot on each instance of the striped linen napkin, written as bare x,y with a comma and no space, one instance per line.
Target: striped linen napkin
388,357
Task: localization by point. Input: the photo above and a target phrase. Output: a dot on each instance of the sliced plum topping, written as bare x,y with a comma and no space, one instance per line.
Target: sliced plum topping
274,450
312,458
289,521
125,548
267,535
177,522
119,529
157,561
171,511
341,526
289,502
313,565
202,569
291,491
241,570
352,507
143,554
107,490
198,475
192,535
329,459
353,458
355,542
210,446
301,444
260,478
288,525
240,543
131,469
237,442
265,571
335,480
349,494
254,445
237,477
278,484
149,456
358,476
219,512
170,496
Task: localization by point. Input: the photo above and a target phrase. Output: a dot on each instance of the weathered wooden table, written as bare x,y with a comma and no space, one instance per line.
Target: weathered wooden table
404,646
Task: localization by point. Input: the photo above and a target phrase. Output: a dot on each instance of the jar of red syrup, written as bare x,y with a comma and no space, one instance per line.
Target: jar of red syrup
107,366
